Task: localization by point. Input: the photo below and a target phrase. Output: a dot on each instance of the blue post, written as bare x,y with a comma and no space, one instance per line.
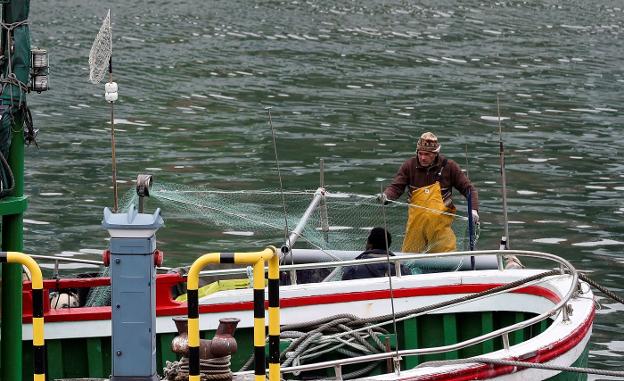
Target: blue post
133,284
470,229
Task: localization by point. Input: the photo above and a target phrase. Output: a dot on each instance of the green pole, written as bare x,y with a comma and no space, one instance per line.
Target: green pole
12,217
12,240
12,301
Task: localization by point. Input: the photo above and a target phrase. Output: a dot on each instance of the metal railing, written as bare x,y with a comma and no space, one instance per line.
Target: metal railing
560,306
565,268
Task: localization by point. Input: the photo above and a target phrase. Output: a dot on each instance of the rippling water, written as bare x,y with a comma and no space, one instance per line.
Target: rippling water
354,83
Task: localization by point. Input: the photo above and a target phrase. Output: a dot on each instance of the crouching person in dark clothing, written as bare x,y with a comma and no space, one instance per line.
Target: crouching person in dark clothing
375,248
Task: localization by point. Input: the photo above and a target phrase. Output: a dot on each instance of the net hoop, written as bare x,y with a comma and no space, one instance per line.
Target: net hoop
101,51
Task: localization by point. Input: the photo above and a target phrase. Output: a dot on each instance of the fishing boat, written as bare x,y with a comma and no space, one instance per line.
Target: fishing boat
546,320
465,317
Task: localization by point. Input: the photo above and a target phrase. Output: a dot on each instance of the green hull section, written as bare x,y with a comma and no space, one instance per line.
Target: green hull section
75,358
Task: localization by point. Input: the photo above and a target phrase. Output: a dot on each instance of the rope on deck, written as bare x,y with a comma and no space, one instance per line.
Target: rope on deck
211,369
603,289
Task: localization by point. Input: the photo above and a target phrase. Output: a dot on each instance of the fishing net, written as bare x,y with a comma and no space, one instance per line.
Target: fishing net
100,296
341,221
101,51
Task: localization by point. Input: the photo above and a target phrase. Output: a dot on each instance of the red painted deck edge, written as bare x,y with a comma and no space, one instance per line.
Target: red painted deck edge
172,308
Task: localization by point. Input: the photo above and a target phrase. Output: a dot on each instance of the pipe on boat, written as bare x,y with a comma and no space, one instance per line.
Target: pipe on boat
296,233
257,259
37,308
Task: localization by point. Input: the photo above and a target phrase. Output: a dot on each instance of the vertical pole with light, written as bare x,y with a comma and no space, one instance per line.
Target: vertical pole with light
16,62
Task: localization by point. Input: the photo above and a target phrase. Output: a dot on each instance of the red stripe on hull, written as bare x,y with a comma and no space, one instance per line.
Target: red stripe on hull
173,308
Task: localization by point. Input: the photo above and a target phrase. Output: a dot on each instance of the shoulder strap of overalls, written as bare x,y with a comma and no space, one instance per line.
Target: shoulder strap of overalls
439,174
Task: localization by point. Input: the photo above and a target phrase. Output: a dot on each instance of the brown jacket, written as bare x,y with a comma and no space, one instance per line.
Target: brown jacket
412,175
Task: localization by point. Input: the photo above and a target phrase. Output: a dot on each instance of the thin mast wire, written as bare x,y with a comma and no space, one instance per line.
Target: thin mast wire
279,175
397,269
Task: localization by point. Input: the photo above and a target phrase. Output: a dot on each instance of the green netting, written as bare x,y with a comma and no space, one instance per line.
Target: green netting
341,221
261,214
100,296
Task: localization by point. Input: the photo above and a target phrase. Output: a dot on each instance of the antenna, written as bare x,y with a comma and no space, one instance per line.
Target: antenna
466,156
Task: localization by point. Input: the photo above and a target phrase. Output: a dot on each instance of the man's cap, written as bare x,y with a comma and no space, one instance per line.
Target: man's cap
428,142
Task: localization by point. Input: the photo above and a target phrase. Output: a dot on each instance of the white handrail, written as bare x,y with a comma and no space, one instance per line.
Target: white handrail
446,348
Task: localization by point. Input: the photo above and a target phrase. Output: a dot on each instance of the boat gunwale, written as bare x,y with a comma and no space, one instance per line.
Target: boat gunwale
399,257
104,313
167,303
578,331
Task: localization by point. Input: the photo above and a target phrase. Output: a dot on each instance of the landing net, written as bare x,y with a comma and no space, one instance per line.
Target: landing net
260,214
101,50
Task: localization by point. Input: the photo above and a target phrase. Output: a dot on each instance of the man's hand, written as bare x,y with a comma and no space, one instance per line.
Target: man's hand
475,217
382,199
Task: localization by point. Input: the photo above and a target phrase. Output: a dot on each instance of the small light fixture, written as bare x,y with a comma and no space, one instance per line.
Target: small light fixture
39,70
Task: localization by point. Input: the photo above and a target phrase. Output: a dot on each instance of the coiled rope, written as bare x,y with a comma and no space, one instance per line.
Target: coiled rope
211,369
310,345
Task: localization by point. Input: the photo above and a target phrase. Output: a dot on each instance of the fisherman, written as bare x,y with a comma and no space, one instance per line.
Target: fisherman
429,178
376,244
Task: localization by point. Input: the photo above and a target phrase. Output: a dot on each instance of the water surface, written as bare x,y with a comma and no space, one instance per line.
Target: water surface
354,83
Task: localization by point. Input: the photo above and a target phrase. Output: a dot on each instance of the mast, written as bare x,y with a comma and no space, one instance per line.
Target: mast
501,148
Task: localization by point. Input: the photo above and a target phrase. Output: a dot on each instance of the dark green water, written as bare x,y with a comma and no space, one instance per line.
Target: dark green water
354,83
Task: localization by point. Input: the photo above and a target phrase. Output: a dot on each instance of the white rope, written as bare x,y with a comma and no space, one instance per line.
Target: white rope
245,192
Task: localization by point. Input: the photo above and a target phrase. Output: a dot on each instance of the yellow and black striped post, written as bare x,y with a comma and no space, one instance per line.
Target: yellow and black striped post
37,307
259,335
257,259
274,320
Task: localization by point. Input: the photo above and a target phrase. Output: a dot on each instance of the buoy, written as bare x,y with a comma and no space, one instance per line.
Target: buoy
111,94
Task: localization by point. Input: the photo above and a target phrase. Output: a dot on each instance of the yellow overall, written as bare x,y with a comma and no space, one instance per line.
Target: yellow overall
428,228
